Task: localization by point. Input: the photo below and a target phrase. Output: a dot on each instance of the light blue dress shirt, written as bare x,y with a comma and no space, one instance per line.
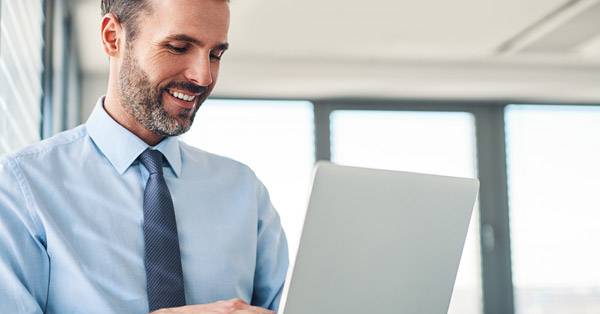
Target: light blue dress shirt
71,238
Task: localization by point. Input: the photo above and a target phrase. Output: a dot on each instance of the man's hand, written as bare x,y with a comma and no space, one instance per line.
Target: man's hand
233,306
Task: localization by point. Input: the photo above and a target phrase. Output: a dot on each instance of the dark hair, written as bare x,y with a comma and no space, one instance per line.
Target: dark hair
127,12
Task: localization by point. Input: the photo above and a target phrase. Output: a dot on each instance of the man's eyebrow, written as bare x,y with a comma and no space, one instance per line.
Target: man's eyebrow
222,46
192,40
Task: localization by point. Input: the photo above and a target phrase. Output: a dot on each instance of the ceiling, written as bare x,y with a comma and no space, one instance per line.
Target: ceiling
534,49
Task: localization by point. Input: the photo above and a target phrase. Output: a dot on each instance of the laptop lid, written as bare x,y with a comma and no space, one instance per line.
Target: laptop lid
377,241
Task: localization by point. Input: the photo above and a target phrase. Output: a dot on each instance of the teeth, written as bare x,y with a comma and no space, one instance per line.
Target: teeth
182,96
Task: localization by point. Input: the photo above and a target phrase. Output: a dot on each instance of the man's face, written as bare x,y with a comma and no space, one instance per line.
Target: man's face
172,65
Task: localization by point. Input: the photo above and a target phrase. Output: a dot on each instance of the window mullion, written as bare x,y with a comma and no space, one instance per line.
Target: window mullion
322,131
494,217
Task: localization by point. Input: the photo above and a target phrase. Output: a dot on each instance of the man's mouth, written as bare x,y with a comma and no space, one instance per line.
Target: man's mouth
185,100
182,95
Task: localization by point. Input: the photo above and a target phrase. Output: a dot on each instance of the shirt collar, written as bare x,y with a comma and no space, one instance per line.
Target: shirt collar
122,147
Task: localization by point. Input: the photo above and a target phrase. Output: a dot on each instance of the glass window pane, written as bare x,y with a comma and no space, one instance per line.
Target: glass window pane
274,138
429,142
554,184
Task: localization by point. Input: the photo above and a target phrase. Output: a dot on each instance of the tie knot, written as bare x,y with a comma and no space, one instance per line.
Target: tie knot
152,160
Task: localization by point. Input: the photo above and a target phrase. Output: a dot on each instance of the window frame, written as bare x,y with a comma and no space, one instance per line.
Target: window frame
46,123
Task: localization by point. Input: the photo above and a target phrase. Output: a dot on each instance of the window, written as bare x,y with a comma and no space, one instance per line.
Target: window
554,193
430,142
20,73
275,138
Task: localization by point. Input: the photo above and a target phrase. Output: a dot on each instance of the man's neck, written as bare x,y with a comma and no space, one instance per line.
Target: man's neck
117,112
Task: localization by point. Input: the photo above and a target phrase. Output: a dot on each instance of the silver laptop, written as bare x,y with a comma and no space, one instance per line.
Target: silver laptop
377,241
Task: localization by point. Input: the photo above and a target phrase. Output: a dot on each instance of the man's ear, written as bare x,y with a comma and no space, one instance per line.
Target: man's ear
111,35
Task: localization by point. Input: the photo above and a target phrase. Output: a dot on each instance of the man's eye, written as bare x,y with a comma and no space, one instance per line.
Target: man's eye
217,55
177,49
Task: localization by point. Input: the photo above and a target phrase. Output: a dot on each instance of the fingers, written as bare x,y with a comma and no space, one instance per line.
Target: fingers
239,306
258,310
232,306
254,311
236,304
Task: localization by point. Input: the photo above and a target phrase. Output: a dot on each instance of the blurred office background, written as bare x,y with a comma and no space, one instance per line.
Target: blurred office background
504,90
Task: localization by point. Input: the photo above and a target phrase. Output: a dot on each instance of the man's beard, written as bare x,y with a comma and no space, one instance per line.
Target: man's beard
143,101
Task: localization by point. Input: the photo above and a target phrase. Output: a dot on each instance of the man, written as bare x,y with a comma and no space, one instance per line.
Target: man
117,215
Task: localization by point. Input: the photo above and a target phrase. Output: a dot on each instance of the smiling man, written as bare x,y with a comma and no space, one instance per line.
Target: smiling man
119,216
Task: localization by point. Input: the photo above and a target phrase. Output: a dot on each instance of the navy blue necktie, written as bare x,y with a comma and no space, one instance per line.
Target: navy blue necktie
161,257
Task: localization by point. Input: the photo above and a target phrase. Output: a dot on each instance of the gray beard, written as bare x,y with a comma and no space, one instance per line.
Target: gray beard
144,102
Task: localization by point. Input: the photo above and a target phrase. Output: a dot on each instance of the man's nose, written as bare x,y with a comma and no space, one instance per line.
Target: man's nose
199,72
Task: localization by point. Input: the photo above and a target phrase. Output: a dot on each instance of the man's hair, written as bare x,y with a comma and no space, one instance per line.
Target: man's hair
127,12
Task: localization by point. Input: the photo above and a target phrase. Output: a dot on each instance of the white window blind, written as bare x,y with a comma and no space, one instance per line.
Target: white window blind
21,43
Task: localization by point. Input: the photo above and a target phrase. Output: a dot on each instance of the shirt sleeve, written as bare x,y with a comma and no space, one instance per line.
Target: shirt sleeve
24,263
272,255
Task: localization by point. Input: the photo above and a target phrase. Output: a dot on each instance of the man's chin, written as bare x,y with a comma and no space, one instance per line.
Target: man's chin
175,123
183,125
